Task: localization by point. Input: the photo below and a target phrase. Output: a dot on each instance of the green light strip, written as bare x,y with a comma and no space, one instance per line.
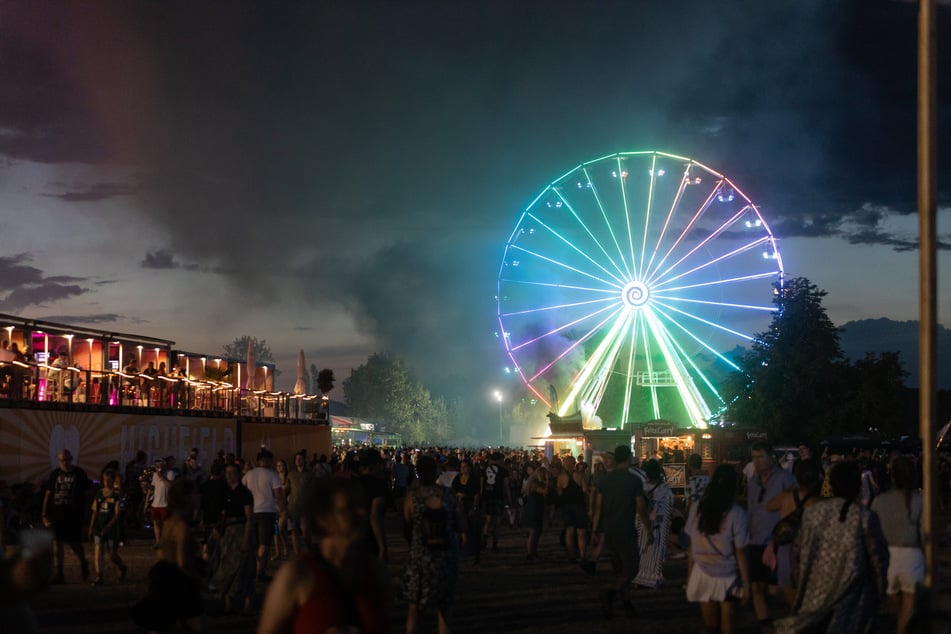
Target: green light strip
627,214
696,407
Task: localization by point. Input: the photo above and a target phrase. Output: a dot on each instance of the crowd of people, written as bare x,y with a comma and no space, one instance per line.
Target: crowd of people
832,536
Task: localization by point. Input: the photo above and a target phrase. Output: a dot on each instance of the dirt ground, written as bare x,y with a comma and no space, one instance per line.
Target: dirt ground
505,593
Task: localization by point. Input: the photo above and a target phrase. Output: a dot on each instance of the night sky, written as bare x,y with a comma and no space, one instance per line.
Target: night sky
341,177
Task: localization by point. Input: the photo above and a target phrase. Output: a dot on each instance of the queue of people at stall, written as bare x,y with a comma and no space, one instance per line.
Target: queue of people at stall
835,557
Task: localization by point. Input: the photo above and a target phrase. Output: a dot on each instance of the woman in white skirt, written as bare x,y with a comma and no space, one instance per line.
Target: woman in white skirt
718,532
900,513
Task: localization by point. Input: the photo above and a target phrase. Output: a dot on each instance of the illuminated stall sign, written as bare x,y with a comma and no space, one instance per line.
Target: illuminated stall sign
658,430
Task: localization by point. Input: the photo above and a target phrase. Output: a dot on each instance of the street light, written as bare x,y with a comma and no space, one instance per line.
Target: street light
498,397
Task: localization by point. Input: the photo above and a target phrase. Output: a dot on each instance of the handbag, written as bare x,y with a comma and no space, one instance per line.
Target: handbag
787,528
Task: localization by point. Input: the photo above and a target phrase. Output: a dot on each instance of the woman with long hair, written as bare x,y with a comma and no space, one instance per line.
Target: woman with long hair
718,531
842,560
899,510
791,504
468,490
534,492
340,587
430,574
660,501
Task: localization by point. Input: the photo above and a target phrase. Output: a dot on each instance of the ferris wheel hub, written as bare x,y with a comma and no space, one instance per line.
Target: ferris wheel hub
635,294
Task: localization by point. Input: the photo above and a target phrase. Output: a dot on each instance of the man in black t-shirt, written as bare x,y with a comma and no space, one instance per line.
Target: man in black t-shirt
376,490
63,507
496,497
620,499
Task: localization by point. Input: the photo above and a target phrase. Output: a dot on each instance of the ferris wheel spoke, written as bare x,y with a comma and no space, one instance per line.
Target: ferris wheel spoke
732,280
629,376
706,321
562,328
670,214
655,276
696,406
610,291
570,244
700,341
685,231
574,345
607,222
622,182
565,266
673,298
588,381
696,370
541,309
650,204
650,368
726,256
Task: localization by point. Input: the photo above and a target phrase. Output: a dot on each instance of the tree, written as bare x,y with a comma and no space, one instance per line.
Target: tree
796,383
383,390
325,380
238,350
791,380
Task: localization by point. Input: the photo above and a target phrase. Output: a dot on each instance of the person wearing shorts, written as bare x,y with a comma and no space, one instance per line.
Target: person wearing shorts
767,481
105,526
63,507
900,510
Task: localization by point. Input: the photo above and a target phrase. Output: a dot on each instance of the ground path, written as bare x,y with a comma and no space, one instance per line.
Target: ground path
505,593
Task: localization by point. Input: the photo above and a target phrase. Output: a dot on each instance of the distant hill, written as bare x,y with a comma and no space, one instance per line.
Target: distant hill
888,335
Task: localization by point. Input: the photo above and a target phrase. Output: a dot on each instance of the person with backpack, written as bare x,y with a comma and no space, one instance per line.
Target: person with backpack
433,562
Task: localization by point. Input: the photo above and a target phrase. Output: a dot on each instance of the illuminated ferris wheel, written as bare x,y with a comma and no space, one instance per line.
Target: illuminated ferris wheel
628,282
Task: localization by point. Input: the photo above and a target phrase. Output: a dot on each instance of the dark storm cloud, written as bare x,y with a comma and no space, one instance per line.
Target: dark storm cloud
317,133
24,285
101,318
95,192
159,259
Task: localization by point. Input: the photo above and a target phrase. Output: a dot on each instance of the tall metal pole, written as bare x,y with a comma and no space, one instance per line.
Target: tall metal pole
927,329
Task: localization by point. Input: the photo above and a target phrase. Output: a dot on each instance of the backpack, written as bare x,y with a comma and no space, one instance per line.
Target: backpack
435,523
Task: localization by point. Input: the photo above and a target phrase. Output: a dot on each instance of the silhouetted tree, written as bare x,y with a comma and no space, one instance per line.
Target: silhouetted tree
796,383
791,382
238,350
383,390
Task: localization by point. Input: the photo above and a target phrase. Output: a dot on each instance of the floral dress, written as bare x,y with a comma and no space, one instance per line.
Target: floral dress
430,575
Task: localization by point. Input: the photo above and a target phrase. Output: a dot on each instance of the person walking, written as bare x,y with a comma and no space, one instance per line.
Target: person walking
660,503
341,586
791,505
717,565
495,499
534,493
620,499
468,490
430,574
232,560
843,562
899,510
269,506
766,481
105,526
63,507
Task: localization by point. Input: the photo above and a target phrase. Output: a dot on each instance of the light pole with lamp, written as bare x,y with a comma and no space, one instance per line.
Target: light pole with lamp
498,397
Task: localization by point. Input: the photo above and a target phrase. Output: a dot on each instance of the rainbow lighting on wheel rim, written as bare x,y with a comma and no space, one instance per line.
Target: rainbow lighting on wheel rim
629,283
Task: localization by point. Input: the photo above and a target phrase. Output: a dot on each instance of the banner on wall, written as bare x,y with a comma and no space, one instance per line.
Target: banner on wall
30,439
